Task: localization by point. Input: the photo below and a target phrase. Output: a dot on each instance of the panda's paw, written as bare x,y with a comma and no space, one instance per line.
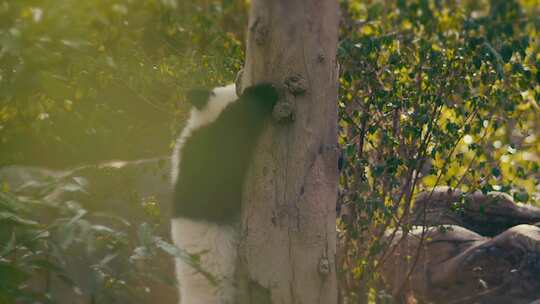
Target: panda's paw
264,91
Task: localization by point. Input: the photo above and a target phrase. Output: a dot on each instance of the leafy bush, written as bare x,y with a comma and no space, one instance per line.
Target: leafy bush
55,249
432,93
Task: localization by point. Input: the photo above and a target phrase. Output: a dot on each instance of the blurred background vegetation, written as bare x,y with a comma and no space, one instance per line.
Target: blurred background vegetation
83,81
432,92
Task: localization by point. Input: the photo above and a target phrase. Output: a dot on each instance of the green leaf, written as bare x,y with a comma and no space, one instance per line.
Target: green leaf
171,249
77,217
9,246
17,220
11,276
496,171
521,197
46,264
107,259
140,253
146,234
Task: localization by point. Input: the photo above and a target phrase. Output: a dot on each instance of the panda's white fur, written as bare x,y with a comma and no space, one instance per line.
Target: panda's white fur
216,243
221,98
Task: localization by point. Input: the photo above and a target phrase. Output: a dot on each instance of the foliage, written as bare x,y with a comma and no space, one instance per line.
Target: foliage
432,93
94,80
47,243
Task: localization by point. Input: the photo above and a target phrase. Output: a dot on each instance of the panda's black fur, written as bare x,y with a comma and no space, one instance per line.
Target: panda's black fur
214,158
209,166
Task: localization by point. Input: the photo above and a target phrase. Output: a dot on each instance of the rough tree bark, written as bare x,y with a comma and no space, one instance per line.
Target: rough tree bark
288,219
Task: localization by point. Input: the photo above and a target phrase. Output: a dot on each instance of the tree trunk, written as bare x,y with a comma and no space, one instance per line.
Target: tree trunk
288,220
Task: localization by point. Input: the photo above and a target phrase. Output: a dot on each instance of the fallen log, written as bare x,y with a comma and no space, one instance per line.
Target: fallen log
452,258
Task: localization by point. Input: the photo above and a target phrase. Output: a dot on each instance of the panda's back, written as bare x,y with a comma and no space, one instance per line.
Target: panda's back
214,160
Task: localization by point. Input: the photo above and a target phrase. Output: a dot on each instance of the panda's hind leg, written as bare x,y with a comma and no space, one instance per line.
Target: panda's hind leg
217,247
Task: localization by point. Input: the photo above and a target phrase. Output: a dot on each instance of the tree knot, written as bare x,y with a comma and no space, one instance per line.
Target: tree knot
283,112
296,84
324,266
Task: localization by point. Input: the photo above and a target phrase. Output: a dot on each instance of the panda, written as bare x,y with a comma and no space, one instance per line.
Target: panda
209,164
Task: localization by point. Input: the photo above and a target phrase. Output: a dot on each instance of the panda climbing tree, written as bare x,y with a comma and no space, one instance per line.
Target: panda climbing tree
209,165
255,168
